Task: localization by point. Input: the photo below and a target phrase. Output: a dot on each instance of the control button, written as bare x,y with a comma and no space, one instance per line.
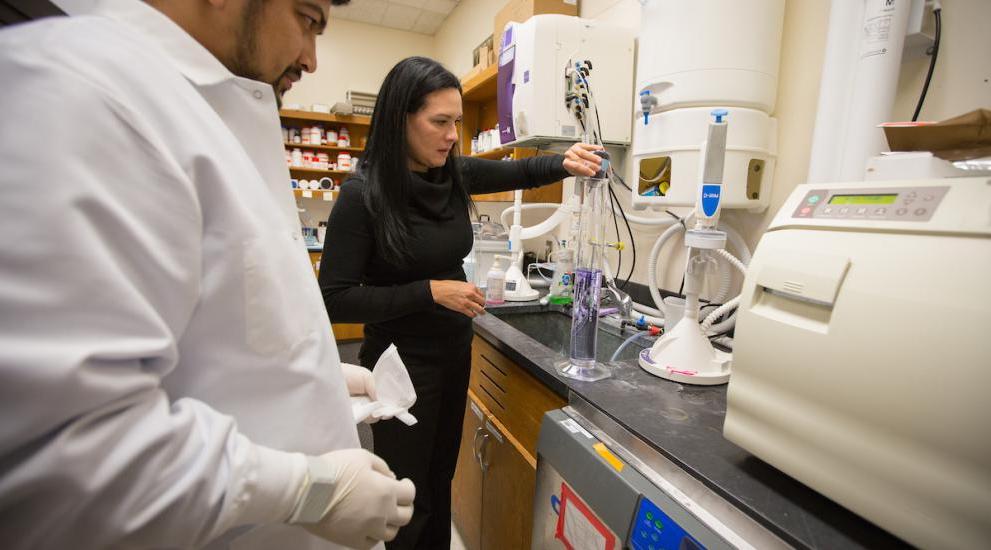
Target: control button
655,537
907,202
880,211
901,211
814,199
658,524
862,210
928,198
805,211
844,211
920,211
650,515
643,534
258,94
911,195
828,210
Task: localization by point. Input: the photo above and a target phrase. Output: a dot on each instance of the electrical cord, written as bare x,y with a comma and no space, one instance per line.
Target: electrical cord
629,231
932,62
615,223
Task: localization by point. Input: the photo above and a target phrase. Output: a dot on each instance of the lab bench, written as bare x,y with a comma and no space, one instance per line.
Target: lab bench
514,382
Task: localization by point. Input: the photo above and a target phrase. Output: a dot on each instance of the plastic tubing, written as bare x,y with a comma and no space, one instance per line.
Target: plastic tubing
655,251
504,217
626,343
731,321
709,319
725,273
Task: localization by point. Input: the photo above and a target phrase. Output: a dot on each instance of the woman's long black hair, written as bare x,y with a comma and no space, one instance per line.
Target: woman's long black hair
385,163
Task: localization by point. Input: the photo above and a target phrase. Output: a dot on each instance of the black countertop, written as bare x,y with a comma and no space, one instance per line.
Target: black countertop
685,424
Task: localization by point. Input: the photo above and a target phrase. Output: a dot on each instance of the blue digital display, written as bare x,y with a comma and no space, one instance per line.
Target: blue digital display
654,530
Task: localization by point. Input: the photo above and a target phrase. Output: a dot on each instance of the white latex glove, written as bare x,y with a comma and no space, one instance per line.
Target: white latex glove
368,504
359,380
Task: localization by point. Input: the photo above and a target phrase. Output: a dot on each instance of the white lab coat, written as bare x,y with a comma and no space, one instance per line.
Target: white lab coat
161,331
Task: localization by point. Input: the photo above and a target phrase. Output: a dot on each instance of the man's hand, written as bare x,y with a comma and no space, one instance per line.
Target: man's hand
368,505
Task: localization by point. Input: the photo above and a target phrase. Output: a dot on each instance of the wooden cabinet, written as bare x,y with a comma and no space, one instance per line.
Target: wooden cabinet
466,501
481,112
507,499
494,483
514,396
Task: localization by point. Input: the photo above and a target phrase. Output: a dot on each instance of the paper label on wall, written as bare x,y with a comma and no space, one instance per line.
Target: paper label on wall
575,428
308,194
328,196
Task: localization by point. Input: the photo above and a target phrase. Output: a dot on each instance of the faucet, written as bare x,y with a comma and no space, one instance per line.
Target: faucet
621,299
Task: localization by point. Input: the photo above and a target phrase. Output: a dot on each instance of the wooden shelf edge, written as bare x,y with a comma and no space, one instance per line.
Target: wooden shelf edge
310,116
495,154
324,147
481,86
314,171
316,194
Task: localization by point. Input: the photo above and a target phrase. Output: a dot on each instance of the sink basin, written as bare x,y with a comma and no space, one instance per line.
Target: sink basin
553,330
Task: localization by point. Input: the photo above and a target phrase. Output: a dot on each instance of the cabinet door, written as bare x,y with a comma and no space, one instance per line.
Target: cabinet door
466,490
507,499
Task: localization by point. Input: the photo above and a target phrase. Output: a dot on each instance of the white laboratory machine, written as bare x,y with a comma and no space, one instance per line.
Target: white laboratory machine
694,57
862,361
532,86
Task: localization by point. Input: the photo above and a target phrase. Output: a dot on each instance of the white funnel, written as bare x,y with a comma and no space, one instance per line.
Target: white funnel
683,354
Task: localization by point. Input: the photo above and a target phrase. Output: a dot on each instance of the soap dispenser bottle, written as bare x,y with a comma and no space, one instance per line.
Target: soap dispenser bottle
495,281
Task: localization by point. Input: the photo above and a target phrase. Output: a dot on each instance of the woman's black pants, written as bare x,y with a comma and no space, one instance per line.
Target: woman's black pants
427,452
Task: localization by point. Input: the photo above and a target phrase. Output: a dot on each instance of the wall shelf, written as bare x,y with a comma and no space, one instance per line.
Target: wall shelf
324,147
314,172
309,116
495,154
315,194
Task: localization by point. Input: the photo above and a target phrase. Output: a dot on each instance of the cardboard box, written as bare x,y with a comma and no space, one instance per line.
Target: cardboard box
521,10
482,56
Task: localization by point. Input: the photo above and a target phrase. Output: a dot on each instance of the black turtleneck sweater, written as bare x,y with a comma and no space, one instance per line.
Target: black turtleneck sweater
360,286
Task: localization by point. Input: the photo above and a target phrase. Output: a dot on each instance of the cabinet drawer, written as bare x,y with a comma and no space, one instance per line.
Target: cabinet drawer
510,393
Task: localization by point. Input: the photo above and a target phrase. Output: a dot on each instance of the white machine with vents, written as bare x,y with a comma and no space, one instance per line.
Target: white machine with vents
862,362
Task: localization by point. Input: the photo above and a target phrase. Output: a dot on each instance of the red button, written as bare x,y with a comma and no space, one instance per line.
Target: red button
805,211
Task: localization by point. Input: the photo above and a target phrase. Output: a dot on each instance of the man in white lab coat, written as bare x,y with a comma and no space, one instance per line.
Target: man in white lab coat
168,376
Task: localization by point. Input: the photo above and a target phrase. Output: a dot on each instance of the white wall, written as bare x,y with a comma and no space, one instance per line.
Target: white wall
962,79
356,56
464,29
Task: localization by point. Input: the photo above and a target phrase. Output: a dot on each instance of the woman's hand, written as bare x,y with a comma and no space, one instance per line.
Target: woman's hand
465,298
580,161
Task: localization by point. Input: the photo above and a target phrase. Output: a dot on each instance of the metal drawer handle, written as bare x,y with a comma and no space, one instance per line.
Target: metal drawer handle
475,447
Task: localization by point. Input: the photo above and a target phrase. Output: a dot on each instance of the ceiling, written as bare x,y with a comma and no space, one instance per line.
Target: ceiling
421,16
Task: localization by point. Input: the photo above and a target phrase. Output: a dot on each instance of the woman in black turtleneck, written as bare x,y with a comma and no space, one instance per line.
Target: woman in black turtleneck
392,260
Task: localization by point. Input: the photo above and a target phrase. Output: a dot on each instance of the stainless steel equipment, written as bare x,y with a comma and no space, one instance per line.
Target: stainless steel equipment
600,487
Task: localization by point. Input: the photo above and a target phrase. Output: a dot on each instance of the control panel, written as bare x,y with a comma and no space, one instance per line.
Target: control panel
913,204
652,529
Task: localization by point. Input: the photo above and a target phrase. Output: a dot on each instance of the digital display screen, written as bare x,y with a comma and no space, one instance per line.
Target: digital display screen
863,199
652,529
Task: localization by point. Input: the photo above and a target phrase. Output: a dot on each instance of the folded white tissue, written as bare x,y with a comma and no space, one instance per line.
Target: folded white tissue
394,388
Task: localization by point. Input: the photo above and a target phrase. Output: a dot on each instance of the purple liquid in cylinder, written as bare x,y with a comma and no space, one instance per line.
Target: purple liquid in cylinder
585,315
